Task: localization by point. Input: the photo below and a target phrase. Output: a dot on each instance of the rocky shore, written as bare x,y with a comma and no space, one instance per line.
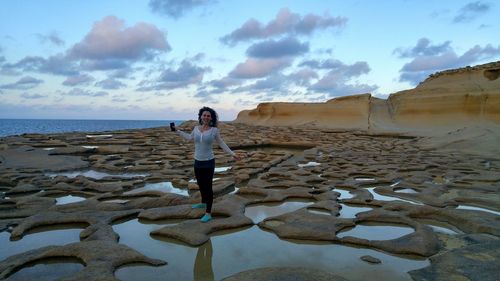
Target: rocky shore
440,189
425,187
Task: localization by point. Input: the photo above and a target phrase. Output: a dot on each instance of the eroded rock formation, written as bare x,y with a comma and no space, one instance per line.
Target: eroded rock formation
445,101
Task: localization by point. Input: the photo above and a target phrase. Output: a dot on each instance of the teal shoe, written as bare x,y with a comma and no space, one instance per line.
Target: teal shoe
206,217
199,206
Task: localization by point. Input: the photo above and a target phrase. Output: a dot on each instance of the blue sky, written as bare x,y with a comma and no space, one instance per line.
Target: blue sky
163,59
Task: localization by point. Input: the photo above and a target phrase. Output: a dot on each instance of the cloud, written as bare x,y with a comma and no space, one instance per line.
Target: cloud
206,96
32,96
338,67
176,8
96,111
322,64
276,49
82,79
223,84
285,22
423,48
303,76
57,64
186,74
109,45
471,11
53,38
27,82
82,92
109,39
119,98
430,59
337,82
110,84
274,83
334,89
258,68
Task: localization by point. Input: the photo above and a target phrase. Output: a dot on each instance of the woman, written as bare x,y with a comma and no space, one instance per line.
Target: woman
204,160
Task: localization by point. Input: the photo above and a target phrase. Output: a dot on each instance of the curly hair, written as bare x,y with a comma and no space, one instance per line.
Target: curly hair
213,122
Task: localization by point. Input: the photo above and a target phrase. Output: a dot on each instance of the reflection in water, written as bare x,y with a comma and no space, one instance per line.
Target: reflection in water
36,240
348,212
377,196
68,199
344,194
376,232
309,164
221,169
262,211
406,190
466,207
48,270
166,187
441,227
202,270
94,174
250,248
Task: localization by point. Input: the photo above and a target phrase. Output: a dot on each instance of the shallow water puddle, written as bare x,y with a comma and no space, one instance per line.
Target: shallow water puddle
69,199
349,212
166,187
440,227
364,179
118,201
344,194
244,249
467,207
90,146
406,190
99,136
95,174
56,236
258,213
47,271
194,180
309,164
318,211
222,169
376,232
377,196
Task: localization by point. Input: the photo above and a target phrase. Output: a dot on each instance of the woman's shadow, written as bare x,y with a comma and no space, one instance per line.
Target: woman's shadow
203,264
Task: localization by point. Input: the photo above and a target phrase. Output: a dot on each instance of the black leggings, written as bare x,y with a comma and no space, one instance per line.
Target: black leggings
204,172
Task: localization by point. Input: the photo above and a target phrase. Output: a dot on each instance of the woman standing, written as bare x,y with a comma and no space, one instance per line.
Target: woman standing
204,135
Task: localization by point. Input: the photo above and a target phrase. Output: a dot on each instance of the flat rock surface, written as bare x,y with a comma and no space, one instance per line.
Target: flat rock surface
380,192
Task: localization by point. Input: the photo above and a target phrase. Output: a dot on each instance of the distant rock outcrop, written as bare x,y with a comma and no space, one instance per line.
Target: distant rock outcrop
445,101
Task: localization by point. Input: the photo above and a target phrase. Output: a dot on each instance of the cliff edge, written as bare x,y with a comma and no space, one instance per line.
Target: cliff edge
446,100
458,106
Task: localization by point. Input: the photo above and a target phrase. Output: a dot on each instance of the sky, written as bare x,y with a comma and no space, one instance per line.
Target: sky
164,59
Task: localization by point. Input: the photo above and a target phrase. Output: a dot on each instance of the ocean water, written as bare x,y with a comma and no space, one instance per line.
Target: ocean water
9,127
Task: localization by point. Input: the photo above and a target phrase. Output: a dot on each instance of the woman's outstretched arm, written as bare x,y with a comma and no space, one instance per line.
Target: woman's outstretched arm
222,144
185,136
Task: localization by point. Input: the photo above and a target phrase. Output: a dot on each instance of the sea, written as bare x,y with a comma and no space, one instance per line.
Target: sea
10,127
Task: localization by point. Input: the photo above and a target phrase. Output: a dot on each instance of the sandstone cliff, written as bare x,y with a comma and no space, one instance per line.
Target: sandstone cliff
447,100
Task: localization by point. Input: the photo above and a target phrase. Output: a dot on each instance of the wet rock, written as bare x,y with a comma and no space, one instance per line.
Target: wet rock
101,259
476,261
28,157
371,259
284,274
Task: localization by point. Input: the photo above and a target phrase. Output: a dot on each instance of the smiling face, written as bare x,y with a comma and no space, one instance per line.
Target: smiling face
206,117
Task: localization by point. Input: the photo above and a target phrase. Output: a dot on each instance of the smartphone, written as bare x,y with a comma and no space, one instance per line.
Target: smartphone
172,126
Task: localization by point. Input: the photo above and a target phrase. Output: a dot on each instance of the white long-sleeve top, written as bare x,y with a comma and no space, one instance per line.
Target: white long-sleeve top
203,142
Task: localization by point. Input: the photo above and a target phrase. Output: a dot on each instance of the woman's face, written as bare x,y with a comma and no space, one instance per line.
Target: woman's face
206,117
